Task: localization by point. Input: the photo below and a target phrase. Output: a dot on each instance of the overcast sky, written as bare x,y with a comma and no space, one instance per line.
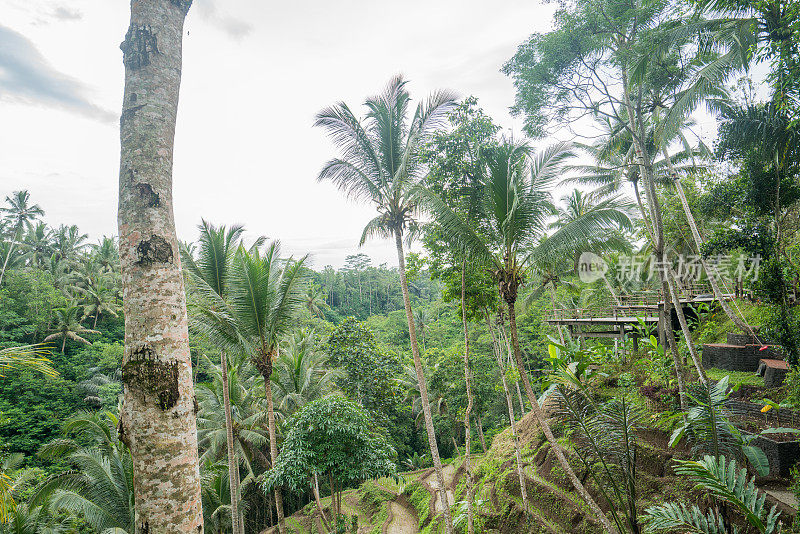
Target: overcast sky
254,75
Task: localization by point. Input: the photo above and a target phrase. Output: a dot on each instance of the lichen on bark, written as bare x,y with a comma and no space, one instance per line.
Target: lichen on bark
182,4
148,197
153,250
152,377
139,44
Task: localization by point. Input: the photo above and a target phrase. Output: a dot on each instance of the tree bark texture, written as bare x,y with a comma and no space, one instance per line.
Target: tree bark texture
158,419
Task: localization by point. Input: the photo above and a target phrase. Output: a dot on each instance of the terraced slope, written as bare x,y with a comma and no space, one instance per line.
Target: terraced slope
411,506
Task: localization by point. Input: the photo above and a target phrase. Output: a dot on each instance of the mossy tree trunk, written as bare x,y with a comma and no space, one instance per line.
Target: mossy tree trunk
158,418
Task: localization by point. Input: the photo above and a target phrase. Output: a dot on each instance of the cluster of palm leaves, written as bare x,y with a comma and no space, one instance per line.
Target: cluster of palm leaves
509,217
87,275
245,301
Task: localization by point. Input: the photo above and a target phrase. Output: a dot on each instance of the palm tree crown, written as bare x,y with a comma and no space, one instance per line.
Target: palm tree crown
381,158
19,213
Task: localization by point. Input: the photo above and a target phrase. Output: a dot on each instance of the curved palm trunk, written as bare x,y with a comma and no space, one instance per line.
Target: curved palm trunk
657,235
265,368
698,241
480,434
468,411
512,420
668,333
158,419
233,465
548,433
423,385
8,257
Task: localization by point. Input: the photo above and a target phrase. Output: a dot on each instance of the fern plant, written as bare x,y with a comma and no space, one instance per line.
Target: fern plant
720,479
708,428
605,441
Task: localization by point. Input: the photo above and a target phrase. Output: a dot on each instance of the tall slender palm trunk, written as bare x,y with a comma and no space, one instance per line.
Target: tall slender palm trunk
548,433
158,419
698,241
672,345
512,420
468,411
265,368
8,256
657,229
233,465
423,385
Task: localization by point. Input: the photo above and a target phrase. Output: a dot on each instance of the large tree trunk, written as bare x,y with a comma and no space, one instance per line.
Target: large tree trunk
548,433
265,368
158,419
233,465
423,385
468,411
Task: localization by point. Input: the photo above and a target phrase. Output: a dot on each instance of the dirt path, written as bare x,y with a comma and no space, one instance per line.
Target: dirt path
402,517
449,473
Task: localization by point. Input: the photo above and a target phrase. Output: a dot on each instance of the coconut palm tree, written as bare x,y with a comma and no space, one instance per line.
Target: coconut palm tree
301,372
266,300
63,277
34,358
98,298
25,519
106,254
20,214
69,243
68,326
100,486
608,235
515,207
13,480
315,301
216,499
381,163
210,272
38,245
248,418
